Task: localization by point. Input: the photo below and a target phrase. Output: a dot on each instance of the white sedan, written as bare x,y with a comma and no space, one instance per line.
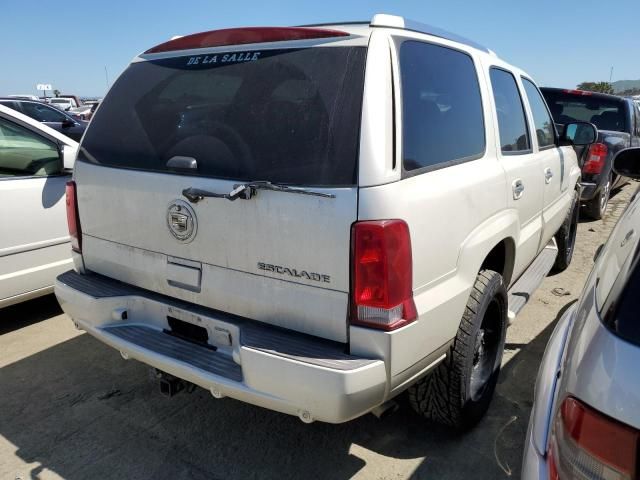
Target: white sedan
35,164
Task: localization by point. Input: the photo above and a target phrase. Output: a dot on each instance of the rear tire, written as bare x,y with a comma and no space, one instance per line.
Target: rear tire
566,237
458,392
597,207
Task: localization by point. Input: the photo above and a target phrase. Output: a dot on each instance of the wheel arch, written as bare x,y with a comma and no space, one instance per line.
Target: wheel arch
492,245
501,259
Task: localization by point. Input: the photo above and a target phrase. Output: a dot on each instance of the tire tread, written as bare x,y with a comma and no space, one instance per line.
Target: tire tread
440,396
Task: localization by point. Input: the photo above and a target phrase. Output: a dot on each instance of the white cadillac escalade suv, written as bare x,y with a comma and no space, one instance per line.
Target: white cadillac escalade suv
316,219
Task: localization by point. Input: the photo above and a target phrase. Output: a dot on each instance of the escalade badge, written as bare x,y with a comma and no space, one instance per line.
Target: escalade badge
181,220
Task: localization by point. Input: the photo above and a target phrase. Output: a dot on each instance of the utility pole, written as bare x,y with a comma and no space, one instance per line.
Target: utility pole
106,76
611,75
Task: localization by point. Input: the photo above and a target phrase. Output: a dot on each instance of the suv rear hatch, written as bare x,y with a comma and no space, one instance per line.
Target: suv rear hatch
208,122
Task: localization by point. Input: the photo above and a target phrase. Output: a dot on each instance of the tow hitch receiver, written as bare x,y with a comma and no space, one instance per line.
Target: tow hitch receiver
170,385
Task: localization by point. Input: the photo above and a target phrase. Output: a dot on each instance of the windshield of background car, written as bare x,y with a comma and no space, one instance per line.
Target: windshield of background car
603,113
287,116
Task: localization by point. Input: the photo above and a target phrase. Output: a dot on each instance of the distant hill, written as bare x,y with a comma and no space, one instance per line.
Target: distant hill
622,85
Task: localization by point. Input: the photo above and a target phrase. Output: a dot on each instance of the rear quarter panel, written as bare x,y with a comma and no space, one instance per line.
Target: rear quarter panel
456,215
601,369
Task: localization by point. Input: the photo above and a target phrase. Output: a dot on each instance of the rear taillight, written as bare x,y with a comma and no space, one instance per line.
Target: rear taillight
381,274
586,444
241,36
73,219
596,158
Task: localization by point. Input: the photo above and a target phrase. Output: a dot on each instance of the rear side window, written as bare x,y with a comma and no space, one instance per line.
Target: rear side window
441,107
512,123
545,131
287,116
604,113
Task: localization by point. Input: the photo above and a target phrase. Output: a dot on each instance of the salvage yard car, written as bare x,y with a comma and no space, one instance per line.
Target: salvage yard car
585,422
63,103
35,165
316,219
50,116
618,122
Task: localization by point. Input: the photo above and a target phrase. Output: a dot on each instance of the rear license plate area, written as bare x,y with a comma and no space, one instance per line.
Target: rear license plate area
189,332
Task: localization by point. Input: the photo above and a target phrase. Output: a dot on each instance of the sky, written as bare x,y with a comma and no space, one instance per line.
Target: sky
69,43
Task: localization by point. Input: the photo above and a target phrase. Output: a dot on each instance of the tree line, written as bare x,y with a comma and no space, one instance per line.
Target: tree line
606,87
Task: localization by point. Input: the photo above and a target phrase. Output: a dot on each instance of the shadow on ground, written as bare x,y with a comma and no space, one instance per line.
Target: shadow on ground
27,313
81,411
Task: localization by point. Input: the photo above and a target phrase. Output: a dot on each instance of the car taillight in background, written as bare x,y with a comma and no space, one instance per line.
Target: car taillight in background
381,274
241,36
73,219
595,158
586,444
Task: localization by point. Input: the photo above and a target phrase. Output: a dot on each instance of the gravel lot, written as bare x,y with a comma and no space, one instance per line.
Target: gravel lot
71,408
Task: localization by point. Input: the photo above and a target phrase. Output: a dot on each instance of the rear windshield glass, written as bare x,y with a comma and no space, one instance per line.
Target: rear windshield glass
287,116
603,113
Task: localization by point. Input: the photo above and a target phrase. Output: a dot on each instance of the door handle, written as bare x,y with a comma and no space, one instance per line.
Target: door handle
518,189
548,175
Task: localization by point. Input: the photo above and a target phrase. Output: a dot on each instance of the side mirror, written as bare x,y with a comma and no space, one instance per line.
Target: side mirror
579,133
67,123
627,163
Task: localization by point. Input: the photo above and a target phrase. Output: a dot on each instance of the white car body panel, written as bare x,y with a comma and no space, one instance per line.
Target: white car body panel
456,216
35,250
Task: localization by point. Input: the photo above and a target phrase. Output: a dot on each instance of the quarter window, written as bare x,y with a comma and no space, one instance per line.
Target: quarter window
545,132
511,120
24,153
441,107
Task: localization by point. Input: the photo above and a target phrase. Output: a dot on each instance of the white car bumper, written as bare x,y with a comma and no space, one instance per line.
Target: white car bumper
287,372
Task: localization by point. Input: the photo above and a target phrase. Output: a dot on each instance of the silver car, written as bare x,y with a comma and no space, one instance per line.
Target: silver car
585,421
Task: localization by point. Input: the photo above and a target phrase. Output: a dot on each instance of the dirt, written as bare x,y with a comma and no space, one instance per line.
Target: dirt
72,408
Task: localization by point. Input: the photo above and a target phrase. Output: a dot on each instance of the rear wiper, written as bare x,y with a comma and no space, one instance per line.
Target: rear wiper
248,190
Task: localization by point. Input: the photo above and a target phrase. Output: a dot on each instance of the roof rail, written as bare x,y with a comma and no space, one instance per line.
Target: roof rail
394,21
